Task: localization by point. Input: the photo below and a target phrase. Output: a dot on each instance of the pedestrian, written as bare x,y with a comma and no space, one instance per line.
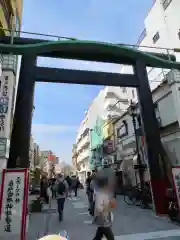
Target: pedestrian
43,189
49,193
69,181
75,184
53,188
93,189
61,194
88,184
103,210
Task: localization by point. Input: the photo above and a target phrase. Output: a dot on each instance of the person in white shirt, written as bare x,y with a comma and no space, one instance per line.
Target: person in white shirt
103,210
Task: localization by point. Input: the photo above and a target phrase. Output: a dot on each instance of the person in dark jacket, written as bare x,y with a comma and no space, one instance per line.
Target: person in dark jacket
88,182
75,184
43,189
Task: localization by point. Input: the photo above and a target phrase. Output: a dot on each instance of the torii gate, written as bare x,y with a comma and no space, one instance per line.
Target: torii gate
30,49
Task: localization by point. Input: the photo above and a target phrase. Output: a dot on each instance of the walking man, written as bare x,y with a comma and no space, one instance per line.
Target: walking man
103,210
61,194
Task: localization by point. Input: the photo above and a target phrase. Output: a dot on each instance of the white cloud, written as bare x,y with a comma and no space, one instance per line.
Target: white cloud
51,129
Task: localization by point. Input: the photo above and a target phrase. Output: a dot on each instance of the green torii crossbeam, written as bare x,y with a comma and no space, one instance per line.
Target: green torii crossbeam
99,47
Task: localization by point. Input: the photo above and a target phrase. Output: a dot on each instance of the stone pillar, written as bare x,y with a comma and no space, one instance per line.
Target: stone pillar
20,138
152,136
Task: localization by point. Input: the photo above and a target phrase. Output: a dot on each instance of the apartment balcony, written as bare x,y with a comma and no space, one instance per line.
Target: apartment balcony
112,115
156,75
83,156
118,95
9,62
84,141
117,104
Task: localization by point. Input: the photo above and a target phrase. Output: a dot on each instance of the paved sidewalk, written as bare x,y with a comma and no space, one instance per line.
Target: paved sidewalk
130,223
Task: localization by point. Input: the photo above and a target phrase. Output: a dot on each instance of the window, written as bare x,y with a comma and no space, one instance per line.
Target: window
166,3
123,130
124,90
156,37
133,93
157,113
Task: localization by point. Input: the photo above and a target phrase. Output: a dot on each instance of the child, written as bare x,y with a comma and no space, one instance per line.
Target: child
103,211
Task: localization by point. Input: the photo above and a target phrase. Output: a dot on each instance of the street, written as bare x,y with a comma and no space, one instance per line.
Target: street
130,222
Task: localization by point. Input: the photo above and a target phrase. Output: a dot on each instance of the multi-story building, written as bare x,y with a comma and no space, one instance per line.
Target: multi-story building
10,18
48,161
37,155
82,149
74,156
110,103
161,33
125,141
58,168
44,161
31,154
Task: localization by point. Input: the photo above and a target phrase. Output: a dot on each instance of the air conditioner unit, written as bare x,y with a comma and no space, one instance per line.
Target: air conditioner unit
173,76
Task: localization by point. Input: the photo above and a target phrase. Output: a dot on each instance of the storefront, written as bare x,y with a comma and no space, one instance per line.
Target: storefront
96,144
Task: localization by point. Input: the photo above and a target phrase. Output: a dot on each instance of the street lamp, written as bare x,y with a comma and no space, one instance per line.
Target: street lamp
132,110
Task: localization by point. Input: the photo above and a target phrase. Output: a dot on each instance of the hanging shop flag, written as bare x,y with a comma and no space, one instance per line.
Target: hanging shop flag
14,203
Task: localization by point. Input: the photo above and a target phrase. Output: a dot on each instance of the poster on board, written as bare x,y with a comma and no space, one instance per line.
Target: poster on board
176,180
13,203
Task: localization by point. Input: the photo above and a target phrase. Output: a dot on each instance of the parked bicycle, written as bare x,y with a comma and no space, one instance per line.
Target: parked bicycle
139,197
173,209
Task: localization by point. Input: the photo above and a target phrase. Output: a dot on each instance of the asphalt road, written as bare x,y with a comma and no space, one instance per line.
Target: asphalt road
130,223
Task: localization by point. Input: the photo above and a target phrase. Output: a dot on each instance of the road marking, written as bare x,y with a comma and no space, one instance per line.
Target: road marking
83,213
80,205
88,222
150,235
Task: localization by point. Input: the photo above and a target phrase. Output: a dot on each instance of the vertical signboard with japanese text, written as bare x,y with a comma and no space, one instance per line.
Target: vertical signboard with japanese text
176,180
6,95
13,203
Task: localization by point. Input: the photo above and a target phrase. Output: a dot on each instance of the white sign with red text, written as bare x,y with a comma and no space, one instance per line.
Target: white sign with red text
13,203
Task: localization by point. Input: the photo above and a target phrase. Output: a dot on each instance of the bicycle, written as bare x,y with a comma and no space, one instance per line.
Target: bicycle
139,197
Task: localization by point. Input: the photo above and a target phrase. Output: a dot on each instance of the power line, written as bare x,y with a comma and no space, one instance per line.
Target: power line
71,38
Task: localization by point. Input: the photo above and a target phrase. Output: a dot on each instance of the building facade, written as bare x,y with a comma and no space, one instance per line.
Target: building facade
110,103
10,19
74,157
44,162
125,141
31,154
161,32
81,150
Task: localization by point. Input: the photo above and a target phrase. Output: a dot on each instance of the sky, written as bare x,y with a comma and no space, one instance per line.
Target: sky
59,108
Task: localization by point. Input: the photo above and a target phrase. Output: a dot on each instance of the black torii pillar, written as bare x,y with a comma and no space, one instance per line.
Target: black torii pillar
153,142
21,132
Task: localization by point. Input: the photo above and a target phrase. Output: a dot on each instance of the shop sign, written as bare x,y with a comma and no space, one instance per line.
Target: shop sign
13,203
108,146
